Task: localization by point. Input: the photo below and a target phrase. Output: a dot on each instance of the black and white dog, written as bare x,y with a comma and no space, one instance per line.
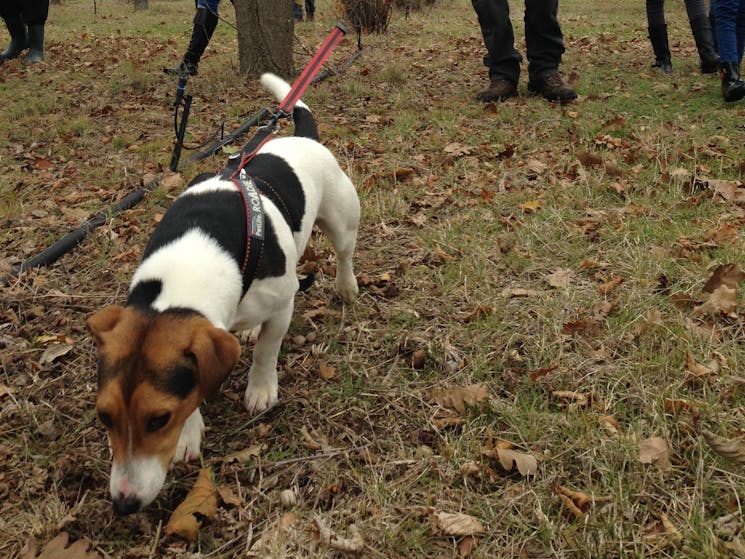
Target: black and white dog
169,347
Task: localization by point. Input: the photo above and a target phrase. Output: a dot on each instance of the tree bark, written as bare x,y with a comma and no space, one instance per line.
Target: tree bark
141,4
265,36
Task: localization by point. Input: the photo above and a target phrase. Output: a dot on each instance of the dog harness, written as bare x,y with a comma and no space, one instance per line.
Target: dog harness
236,172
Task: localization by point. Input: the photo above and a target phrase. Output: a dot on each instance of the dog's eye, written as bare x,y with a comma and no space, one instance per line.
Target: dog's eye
157,422
105,418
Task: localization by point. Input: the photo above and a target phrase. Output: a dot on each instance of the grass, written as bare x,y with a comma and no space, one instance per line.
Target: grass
609,187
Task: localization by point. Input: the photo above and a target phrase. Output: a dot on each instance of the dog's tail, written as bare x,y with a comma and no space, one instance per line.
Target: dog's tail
305,124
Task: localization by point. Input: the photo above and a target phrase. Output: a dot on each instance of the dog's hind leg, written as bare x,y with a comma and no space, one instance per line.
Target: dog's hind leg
338,218
262,389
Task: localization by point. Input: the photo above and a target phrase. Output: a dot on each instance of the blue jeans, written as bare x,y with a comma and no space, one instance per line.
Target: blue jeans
730,29
211,5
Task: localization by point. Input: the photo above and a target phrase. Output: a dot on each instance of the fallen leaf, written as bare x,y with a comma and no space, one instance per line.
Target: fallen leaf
526,463
460,397
456,149
246,455
531,206
577,502
729,448
723,300
477,312
514,292
696,371
228,496
535,375
327,537
172,181
441,255
457,524
54,351
5,390
663,534
608,287
466,546
418,356
655,449
200,503
611,425
576,399
726,274
326,371
560,278
57,549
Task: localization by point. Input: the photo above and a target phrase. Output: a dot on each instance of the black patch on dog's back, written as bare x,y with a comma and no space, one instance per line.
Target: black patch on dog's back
278,182
220,215
144,293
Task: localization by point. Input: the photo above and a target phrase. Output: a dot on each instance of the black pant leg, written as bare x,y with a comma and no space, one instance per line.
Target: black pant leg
503,59
545,43
35,12
10,8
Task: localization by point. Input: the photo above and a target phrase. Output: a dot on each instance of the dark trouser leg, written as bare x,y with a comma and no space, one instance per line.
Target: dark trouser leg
657,29
543,35
205,22
502,59
310,8
35,15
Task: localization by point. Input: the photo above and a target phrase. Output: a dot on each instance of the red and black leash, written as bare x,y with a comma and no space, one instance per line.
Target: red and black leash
247,188
285,108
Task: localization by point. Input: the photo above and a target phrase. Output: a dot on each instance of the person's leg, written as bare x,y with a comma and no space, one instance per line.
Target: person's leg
310,9
205,22
657,29
545,45
35,13
733,88
740,31
502,59
703,35
10,11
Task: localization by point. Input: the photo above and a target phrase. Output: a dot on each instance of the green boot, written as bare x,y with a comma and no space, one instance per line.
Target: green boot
18,38
35,44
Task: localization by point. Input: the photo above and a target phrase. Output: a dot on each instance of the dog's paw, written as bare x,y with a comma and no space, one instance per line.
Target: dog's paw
347,288
187,448
260,395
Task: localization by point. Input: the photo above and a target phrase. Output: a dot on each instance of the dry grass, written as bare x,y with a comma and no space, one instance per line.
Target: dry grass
462,206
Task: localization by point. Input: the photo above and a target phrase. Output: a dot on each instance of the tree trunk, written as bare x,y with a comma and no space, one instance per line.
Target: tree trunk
265,36
141,4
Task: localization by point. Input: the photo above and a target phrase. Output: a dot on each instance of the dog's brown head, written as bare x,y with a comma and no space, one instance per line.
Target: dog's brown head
154,369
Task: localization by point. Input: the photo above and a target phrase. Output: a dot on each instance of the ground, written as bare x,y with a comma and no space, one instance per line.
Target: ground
549,298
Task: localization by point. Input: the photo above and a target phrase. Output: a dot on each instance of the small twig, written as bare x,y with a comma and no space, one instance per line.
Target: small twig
155,541
313,457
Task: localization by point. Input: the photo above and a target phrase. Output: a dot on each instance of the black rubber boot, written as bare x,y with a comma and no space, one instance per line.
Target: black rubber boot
705,43
733,88
661,48
18,38
205,23
35,44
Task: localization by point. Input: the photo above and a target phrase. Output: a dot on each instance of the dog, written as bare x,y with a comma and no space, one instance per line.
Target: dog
170,346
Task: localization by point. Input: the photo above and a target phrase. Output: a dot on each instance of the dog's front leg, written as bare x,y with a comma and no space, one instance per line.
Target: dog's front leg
187,448
262,378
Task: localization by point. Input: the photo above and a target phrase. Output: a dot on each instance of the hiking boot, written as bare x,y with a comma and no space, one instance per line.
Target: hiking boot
704,37
733,88
499,89
661,47
551,87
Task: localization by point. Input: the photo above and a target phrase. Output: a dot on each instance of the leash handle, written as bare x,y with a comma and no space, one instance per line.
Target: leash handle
304,79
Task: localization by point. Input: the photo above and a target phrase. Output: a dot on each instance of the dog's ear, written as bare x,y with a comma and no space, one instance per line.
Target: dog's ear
103,321
216,352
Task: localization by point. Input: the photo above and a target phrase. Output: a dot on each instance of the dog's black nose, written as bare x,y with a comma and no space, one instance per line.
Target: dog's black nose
126,505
